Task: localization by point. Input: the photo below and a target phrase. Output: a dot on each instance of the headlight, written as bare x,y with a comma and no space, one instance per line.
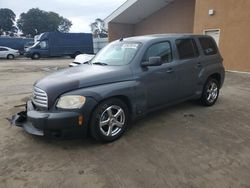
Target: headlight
71,102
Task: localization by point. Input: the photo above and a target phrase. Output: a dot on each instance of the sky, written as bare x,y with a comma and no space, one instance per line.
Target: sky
80,12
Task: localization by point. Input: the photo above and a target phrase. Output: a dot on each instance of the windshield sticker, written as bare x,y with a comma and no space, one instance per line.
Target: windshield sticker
135,46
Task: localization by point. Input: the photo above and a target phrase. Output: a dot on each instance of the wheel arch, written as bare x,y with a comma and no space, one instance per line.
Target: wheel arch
217,77
9,55
123,98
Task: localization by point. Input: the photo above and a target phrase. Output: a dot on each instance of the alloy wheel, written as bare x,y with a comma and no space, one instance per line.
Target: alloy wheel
212,92
112,120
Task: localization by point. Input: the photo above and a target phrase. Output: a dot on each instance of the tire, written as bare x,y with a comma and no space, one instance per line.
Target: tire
109,120
210,92
10,56
35,56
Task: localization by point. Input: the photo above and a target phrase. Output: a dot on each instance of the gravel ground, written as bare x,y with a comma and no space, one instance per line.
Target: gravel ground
182,146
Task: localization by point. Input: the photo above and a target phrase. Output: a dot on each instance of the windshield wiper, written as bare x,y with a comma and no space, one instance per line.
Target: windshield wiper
99,63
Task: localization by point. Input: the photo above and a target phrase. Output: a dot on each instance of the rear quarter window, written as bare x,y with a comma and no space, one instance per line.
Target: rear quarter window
187,48
208,46
3,49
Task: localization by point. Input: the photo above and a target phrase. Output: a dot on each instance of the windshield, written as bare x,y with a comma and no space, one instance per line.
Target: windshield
40,44
36,43
118,54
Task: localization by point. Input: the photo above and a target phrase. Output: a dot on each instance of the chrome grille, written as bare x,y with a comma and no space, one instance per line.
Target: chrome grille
40,97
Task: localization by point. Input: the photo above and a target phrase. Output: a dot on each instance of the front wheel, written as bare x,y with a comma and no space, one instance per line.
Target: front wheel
210,92
109,120
35,56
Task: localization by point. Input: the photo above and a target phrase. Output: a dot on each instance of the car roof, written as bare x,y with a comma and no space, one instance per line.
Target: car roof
147,38
5,47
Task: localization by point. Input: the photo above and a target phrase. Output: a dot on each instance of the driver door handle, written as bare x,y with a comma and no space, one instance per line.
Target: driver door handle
199,65
170,70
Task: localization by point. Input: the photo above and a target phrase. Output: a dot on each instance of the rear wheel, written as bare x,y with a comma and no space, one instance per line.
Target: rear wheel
210,92
10,56
109,120
35,56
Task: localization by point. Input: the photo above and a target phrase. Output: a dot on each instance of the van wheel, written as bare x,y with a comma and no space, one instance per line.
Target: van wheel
35,56
210,92
109,120
10,56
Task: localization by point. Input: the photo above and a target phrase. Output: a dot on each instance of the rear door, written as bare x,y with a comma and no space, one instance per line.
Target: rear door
189,66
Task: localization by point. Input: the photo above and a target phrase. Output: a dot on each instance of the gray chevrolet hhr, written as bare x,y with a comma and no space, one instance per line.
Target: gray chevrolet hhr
126,80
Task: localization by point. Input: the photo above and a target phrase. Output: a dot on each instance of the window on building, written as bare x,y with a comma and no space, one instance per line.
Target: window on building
208,46
187,48
162,49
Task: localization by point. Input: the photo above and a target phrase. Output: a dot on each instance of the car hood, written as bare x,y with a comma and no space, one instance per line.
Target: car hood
80,77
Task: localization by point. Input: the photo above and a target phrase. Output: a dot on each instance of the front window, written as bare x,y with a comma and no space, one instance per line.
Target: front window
162,49
117,54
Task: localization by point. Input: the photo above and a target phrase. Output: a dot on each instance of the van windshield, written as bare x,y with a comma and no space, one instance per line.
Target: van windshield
34,45
40,44
117,54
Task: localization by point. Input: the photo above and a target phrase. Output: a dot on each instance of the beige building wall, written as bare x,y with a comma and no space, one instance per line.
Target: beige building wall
233,19
176,17
117,30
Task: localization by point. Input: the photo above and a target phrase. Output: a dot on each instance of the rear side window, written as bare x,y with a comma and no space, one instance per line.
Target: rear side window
208,46
162,49
187,48
3,49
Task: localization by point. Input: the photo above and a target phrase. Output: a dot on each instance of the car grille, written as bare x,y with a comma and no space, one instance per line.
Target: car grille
40,98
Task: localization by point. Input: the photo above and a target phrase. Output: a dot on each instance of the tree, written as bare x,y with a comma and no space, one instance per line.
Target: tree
7,20
37,21
98,28
65,25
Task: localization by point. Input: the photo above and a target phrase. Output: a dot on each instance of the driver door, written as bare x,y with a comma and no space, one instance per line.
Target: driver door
160,81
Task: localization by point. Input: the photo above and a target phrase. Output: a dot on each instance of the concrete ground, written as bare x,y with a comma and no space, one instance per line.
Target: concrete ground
183,146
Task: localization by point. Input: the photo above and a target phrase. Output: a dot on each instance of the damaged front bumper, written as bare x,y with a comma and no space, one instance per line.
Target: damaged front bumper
20,120
51,123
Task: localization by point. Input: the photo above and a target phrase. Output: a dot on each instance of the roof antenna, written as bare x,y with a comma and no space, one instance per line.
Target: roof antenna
121,39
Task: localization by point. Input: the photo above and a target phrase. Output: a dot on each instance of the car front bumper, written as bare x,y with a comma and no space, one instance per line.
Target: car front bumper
55,123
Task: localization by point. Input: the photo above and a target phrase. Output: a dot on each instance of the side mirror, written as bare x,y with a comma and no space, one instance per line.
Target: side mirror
153,61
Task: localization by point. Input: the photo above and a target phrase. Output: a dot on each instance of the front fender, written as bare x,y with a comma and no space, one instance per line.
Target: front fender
127,89
104,91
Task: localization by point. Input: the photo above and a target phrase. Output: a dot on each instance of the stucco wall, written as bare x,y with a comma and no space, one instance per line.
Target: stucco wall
177,17
117,30
233,19
186,16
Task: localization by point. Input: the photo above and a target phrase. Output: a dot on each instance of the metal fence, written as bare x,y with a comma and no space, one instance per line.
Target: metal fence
99,43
